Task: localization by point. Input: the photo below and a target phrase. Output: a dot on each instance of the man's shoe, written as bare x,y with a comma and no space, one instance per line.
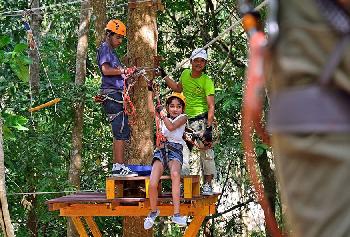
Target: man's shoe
149,220
120,170
180,220
207,190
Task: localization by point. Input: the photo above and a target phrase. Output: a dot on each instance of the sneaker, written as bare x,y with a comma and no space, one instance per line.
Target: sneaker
180,220
207,189
121,170
149,220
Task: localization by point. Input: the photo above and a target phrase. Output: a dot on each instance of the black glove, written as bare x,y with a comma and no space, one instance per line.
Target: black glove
150,85
162,72
208,134
159,108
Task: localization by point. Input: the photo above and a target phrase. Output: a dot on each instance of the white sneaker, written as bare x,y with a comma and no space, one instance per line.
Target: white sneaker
121,170
207,190
149,220
180,220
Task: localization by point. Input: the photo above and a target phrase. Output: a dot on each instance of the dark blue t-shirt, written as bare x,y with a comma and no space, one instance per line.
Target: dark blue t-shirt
106,54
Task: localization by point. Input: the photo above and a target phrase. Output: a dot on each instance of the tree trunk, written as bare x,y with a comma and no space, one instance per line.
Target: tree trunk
34,68
77,133
5,219
142,48
99,11
269,181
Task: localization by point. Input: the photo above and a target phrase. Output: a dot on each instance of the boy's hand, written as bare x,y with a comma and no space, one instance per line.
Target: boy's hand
129,70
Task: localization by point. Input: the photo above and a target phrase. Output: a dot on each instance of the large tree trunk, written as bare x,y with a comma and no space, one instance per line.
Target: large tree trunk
34,68
99,11
80,73
5,219
269,181
142,48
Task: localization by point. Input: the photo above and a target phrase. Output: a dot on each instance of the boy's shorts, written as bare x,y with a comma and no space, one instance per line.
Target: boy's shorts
171,151
115,112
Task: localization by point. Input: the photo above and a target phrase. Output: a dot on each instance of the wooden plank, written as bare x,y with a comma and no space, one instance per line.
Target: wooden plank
93,226
106,210
79,226
110,189
193,228
147,186
187,187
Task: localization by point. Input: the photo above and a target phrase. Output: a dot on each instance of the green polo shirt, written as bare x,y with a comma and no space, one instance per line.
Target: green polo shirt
196,91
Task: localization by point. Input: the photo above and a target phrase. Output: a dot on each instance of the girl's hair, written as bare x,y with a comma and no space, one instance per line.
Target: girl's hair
171,98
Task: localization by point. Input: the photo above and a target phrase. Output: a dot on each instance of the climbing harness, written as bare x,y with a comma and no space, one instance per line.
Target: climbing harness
33,46
252,108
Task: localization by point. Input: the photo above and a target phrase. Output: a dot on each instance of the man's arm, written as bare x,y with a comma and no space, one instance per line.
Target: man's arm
211,109
175,86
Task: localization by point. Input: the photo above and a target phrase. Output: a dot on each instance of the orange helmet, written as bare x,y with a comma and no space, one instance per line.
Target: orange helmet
116,26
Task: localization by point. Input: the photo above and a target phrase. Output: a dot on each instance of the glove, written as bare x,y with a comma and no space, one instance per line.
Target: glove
162,72
159,109
150,85
208,134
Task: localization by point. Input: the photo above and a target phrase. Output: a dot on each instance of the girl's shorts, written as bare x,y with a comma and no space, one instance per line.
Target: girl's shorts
171,151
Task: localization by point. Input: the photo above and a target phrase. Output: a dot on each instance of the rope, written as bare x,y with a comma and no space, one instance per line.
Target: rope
33,46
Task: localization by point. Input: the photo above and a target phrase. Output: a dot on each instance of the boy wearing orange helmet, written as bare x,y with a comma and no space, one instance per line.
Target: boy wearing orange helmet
112,85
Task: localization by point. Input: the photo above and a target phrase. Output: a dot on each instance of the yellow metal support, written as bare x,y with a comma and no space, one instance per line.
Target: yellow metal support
147,186
93,226
110,189
193,228
79,226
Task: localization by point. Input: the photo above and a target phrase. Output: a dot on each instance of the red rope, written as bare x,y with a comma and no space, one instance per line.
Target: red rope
252,114
129,108
160,138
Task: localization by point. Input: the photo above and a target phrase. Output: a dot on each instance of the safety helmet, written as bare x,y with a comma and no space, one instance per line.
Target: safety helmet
199,53
116,26
177,95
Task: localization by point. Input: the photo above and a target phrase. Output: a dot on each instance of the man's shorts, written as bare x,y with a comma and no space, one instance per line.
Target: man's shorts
171,151
115,112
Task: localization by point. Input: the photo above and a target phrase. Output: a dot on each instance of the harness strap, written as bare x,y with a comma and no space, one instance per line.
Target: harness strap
318,107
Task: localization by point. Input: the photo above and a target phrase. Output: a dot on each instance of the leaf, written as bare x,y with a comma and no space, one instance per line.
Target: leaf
20,47
4,40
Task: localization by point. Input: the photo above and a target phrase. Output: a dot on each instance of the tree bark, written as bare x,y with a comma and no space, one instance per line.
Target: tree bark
5,219
77,133
142,48
34,68
99,11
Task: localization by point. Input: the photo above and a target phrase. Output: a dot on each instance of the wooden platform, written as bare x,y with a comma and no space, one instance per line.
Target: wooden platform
115,185
85,206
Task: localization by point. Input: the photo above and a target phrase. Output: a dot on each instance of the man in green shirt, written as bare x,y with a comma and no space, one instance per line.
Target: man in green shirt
199,91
